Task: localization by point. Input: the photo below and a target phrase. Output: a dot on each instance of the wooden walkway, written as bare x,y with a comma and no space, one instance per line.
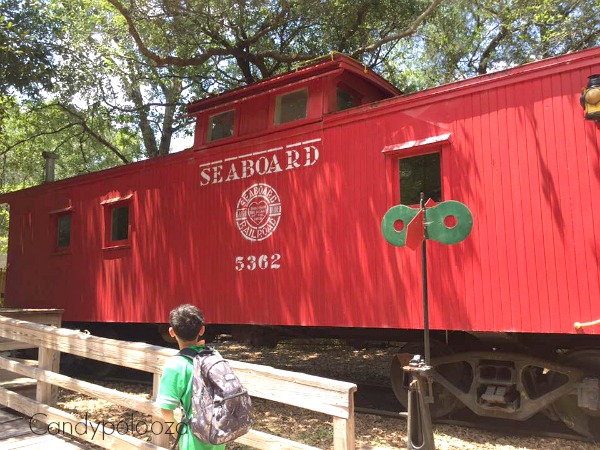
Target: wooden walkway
16,433
15,430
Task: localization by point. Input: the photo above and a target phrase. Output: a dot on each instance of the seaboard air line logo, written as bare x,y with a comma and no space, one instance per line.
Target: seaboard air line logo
258,212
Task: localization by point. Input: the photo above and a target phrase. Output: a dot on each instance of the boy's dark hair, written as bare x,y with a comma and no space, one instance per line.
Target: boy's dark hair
186,320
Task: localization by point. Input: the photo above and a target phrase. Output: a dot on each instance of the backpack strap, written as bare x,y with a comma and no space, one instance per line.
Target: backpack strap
179,431
190,353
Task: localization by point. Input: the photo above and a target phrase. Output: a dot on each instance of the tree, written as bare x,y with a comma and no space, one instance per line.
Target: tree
253,39
40,96
104,99
33,128
466,38
119,72
135,67
26,62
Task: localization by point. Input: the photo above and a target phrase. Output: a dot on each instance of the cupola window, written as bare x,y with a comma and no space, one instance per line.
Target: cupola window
291,106
345,100
221,125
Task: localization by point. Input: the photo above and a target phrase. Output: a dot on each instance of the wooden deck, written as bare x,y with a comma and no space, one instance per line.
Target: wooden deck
16,433
15,430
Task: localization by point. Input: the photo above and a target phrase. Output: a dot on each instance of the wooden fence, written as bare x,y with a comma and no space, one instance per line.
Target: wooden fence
334,398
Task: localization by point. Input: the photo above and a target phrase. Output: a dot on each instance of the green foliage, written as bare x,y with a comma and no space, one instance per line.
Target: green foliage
4,219
26,61
105,82
113,77
30,129
467,38
254,39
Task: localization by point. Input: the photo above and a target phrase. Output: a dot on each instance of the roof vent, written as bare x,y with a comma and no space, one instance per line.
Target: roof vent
50,157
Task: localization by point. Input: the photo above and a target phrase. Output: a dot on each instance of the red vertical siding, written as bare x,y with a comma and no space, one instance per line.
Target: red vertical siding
520,156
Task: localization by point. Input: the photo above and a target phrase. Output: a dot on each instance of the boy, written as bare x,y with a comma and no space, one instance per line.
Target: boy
186,325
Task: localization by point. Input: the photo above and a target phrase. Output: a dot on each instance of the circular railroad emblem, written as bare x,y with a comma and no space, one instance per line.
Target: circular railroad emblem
258,212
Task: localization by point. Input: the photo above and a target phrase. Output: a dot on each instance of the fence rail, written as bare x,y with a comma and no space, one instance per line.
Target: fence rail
331,397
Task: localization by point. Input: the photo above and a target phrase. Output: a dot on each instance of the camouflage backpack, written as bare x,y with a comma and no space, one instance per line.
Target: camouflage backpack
221,408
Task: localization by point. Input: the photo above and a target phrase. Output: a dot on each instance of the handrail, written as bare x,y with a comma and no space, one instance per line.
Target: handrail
580,325
335,398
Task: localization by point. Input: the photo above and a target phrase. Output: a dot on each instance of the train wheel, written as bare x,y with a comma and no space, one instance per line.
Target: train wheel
583,420
444,402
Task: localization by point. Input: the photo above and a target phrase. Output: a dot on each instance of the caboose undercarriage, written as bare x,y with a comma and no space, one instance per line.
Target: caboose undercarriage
563,384
514,386
501,375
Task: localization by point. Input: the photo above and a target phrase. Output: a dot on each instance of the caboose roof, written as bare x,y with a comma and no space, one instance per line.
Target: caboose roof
327,65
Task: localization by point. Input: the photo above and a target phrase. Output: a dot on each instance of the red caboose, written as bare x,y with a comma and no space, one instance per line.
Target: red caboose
273,218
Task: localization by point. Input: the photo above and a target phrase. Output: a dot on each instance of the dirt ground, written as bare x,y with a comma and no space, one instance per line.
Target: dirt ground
339,362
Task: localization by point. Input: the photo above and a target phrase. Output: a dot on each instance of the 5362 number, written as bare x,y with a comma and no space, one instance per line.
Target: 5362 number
261,262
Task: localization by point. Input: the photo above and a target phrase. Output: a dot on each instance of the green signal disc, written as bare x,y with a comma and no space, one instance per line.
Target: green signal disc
437,228
397,213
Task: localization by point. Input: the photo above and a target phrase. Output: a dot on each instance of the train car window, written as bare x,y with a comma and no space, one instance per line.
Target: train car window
420,174
221,125
119,223
63,227
345,100
291,106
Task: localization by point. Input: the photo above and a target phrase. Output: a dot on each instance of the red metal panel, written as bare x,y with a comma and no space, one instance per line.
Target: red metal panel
588,190
537,139
254,122
506,237
529,161
472,291
497,289
476,142
572,201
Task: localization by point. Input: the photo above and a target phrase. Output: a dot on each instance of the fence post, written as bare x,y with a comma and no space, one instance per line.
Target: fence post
343,429
48,359
158,439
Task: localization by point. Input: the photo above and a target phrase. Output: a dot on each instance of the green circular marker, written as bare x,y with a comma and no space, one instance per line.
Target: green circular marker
397,213
438,230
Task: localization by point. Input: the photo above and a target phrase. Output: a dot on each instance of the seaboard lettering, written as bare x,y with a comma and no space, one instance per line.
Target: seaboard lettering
291,157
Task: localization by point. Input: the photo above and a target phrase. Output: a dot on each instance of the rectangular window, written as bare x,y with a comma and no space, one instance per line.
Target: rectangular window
63,227
221,125
420,174
60,229
345,100
119,223
290,107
